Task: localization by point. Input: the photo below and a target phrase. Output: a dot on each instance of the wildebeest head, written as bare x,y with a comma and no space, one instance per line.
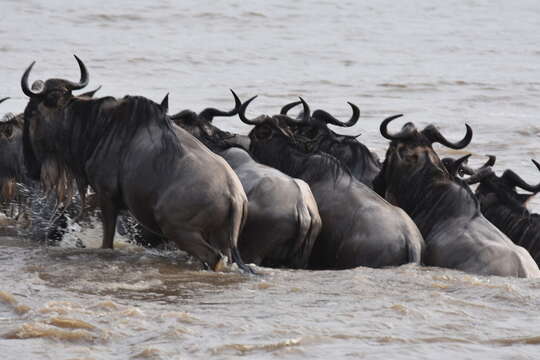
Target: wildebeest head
492,188
410,153
271,134
316,126
363,163
266,127
201,126
43,116
10,124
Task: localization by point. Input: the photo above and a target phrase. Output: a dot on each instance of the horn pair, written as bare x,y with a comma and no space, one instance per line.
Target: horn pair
326,117
430,132
72,85
509,176
258,120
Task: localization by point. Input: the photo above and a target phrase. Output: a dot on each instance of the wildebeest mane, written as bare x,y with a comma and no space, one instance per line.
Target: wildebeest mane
521,226
103,123
296,163
360,154
96,128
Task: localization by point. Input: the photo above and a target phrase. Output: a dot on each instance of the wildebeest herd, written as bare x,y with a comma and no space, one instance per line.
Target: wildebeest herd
293,193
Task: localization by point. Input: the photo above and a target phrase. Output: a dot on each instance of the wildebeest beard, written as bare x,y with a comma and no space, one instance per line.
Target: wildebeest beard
427,193
91,129
287,158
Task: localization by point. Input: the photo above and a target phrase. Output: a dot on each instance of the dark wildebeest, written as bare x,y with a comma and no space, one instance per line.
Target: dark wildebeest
22,192
11,158
359,227
283,221
505,208
363,164
127,151
444,208
12,169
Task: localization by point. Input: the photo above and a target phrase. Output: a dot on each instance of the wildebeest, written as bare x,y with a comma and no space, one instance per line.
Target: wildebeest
11,159
359,227
363,164
444,208
283,221
22,192
505,208
127,151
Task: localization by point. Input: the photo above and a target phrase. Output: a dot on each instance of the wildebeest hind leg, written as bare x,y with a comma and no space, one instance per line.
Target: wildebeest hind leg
195,245
109,213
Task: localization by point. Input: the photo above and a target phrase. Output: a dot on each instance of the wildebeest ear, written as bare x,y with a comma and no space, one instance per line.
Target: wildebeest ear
165,104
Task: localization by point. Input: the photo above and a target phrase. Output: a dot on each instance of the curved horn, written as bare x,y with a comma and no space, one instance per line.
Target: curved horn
4,99
84,76
490,162
242,113
515,180
434,135
210,113
403,134
329,119
536,164
24,83
306,111
285,109
90,94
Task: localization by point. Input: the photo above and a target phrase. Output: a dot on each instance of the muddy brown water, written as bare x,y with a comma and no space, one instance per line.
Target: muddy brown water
473,61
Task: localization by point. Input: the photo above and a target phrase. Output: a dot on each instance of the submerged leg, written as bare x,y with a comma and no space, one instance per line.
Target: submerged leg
193,243
109,213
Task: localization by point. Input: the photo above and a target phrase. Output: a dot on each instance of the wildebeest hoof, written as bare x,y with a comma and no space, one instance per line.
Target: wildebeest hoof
221,265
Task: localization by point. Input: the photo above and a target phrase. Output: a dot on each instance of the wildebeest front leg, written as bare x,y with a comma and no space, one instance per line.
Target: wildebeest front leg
109,213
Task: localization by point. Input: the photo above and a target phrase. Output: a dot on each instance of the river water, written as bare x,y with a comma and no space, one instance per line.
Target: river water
474,61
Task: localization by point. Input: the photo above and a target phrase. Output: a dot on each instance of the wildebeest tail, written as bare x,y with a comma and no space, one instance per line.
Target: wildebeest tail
414,252
238,219
309,226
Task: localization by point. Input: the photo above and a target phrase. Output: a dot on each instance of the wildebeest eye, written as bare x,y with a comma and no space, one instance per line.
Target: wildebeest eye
53,97
263,132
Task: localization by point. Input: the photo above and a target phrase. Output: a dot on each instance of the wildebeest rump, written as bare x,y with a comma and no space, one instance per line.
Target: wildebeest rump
363,164
505,208
447,213
283,221
359,227
127,151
